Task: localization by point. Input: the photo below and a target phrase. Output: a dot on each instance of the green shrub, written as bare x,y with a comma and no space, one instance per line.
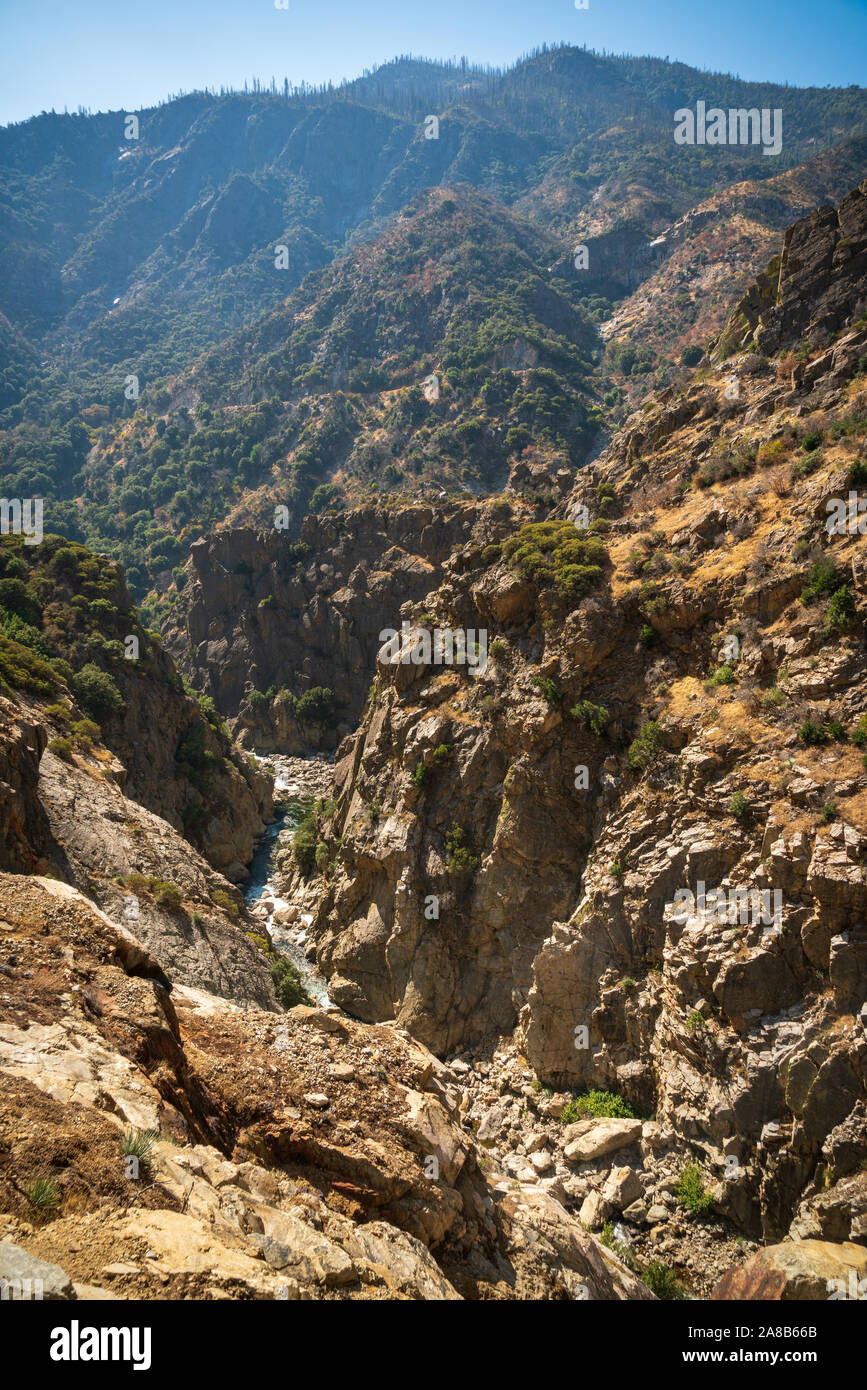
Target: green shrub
774,451
605,1105
841,611
85,732
138,883
644,749
723,675
195,760
321,857
829,812
595,717
304,844
288,983
61,714
553,553
168,895
315,706
806,466
859,733
23,669
691,1191
62,747
857,475
18,598
220,898
460,862
773,698
25,634
822,579
97,693
662,1281
812,732
738,804
648,636
549,689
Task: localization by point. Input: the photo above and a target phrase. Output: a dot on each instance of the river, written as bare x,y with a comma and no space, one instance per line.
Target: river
297,782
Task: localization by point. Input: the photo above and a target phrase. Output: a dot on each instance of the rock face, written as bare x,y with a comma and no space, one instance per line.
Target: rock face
282,1180
25,835
70,817
515,849
258,615
151,737
224,807
802,1269
814,288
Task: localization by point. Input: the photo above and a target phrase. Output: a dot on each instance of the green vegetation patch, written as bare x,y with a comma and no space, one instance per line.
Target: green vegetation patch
554,553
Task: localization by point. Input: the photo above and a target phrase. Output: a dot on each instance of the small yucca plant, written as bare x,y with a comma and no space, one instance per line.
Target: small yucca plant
137,1143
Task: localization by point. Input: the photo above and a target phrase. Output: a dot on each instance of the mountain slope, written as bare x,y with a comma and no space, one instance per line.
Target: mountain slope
168,244
706,671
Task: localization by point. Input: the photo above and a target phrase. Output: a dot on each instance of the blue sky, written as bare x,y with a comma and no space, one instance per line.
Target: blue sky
124,54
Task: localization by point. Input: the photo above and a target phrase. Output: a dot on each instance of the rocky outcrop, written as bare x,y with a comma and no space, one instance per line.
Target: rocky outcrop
300,1156
510,850
119,855
154,739
263,613
804,1269
25,835
813,289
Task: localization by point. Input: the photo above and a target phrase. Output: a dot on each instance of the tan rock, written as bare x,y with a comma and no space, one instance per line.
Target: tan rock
798,1269
589,1139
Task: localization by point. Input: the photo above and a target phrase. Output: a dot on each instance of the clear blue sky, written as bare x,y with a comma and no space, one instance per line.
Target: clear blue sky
125,54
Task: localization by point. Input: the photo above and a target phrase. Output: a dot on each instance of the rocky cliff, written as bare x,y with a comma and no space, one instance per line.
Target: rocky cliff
589,892
574,844
72,649
294,1157
262,613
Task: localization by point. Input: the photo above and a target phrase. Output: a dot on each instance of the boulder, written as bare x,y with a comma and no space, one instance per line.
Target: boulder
622,1187
589,1139
797,1269
23,1276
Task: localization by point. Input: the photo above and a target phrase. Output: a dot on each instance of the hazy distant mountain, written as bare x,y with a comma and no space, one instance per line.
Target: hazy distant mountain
122,260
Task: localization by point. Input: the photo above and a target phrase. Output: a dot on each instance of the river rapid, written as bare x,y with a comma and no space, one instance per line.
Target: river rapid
297,784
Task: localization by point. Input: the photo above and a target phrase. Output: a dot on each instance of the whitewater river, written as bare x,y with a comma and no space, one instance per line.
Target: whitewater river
297,783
